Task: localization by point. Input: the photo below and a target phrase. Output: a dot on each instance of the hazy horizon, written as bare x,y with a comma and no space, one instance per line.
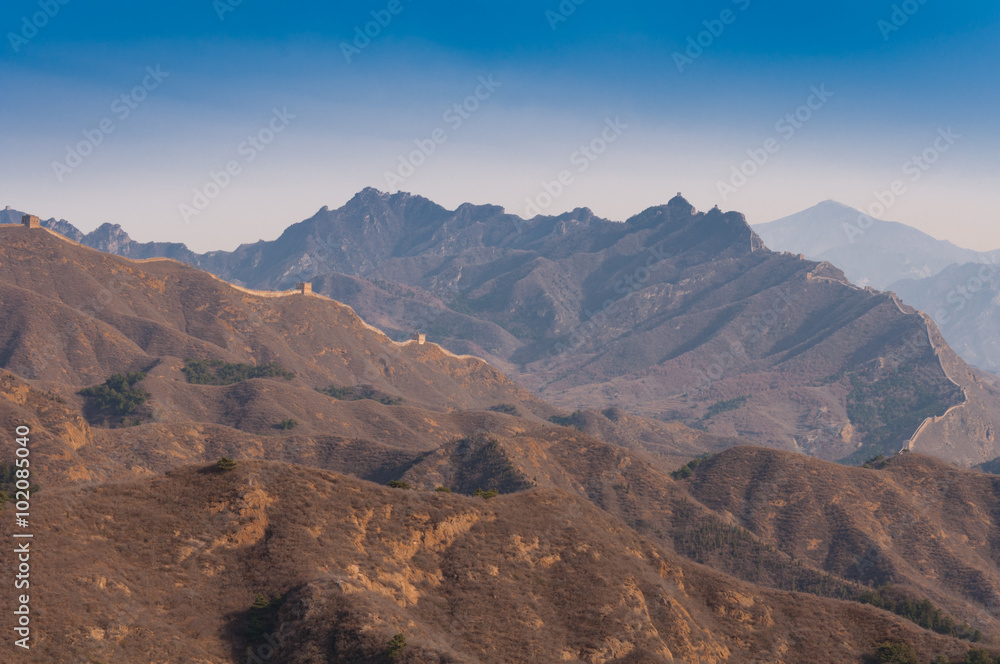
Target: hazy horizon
537,83
279,228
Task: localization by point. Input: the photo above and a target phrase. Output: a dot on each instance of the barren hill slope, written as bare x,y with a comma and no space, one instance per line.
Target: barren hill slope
339,568
928,528
74,315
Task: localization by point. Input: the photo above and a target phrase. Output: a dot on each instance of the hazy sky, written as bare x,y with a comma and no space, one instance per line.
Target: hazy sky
122,112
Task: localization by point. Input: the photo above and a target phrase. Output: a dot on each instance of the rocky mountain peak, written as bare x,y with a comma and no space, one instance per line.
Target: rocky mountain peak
678,205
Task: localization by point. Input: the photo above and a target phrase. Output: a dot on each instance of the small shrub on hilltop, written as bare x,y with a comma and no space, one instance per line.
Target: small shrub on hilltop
877,462
399,484
486,495
285,425
687,470
443,489
396,646
225,464
261,618
116,400
217,372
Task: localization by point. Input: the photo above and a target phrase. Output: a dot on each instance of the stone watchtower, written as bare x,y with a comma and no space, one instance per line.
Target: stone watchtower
419,338
304,287
31,221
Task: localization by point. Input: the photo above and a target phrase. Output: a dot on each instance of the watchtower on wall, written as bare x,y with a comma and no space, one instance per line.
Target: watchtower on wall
31,221
304,287
419,338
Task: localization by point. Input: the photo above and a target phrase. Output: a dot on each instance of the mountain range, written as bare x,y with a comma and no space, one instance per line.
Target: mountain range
673,315
957,287
224,474
870,251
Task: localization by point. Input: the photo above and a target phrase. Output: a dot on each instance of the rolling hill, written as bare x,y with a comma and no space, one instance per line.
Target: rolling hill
292,564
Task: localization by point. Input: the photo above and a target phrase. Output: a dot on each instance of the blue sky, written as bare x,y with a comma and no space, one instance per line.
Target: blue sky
559,77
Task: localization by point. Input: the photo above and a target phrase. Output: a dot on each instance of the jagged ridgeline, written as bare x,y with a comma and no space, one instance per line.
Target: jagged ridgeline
666,315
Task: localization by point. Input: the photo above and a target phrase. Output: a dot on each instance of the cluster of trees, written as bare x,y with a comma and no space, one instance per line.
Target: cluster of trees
117,400
885,408
892,652
358,393
217,372
922,612
720,407
573,420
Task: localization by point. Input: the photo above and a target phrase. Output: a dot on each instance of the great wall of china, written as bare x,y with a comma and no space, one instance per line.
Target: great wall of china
302,288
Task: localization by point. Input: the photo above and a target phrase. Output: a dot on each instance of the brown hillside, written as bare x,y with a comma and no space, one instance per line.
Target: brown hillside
172,566
924,526
74,315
